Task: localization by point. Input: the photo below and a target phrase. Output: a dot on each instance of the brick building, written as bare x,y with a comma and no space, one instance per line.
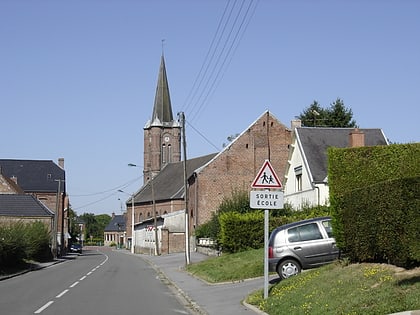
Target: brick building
236,166
211,178
44,180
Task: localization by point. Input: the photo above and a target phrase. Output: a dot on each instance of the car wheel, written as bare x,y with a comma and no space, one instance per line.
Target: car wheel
288,268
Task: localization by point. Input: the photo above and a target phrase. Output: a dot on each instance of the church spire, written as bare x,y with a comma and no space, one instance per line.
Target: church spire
162,110
162,140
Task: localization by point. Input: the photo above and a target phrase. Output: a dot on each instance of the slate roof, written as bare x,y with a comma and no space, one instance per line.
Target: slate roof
23,206
117,220
315,141
162,110
34,175
169,182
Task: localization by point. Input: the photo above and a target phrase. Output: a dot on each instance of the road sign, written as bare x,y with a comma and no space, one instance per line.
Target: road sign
266,200
266,177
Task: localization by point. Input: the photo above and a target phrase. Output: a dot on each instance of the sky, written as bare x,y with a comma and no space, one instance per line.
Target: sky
78,78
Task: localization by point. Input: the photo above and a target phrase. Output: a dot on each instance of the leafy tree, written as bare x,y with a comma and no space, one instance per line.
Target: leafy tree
337,115
95,224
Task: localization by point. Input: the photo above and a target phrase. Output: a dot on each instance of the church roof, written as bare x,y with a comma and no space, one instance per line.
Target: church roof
162,109
169,182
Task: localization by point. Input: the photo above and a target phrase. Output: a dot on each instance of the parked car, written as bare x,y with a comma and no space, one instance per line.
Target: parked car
76,248
301,245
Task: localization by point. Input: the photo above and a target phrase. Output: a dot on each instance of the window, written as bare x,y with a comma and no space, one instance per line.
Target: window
298,174
299,182
307,232
328,227
169,153
163,154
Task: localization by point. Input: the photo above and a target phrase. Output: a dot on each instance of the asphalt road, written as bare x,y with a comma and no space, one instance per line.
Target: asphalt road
97,282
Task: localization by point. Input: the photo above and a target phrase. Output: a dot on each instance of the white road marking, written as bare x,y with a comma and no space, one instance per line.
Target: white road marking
62,293
41,309
44,307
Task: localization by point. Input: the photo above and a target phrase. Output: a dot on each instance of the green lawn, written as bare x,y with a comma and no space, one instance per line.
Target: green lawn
333,289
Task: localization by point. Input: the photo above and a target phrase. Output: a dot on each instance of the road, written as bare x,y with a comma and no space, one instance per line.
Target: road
100,281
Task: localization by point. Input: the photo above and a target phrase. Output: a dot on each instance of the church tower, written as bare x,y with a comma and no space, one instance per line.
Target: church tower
162,134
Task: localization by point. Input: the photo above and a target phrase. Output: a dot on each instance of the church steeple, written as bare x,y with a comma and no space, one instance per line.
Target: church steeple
162,110
162,140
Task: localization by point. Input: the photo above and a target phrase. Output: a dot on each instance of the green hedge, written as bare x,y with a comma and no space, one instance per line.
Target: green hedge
240,232
375,202
20,242
243,231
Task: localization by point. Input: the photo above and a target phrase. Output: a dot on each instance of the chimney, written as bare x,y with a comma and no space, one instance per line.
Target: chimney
356,138
14,179
61,163
296,123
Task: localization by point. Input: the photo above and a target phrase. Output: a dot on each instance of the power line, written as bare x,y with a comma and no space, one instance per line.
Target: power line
228,35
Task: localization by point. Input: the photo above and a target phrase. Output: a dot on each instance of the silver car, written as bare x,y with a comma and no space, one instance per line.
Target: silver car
301,245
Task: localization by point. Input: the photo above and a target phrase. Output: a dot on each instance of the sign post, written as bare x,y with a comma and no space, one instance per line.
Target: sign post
266,179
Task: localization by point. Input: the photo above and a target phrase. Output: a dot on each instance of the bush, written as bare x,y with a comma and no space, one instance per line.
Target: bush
20,242
37,244
12,245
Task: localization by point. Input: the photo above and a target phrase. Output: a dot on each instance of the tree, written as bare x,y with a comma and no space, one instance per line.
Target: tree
337,115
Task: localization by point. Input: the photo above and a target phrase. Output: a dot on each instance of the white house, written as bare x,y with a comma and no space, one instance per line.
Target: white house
306,182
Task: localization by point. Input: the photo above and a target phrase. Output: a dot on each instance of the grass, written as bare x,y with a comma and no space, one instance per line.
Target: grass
337,288
233,267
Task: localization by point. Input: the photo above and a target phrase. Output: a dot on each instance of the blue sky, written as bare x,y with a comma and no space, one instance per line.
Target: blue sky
78,78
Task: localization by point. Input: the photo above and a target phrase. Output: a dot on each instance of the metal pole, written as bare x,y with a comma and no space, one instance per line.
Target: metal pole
154,217
133,237
266,217
187,216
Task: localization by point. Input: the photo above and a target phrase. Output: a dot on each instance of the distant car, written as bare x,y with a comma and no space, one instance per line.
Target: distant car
301,245
76,248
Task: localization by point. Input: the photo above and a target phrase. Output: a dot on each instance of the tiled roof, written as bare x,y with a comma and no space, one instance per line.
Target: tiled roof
34,175
117,224
23,206
315,141
169,182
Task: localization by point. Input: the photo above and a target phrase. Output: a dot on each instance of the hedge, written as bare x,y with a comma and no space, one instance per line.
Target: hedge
375,202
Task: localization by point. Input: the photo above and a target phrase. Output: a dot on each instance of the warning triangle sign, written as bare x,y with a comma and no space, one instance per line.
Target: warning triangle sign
266,177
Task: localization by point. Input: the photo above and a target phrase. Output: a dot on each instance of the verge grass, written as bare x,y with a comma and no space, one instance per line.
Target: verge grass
350,290
230,267
337,288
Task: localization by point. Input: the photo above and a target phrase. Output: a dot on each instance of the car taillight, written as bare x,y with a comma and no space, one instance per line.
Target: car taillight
270,252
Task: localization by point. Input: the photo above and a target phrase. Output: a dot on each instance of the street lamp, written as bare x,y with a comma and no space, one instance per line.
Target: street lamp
133,237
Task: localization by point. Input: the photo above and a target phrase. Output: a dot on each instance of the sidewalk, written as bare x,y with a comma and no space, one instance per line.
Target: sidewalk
206,298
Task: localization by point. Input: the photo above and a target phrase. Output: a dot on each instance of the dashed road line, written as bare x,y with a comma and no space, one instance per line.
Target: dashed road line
46,305
62,293
38,311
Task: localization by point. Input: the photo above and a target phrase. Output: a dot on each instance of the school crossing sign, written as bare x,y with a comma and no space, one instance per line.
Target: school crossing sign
266,179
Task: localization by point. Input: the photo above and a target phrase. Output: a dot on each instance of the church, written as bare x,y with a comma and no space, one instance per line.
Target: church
157,210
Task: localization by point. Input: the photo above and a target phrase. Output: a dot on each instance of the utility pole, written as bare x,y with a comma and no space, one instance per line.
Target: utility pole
187,216
154,216
57,209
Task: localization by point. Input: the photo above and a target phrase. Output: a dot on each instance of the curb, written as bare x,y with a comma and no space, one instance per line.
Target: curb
181,295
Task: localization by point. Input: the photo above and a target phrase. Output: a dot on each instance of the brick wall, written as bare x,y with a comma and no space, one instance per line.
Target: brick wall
237,165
